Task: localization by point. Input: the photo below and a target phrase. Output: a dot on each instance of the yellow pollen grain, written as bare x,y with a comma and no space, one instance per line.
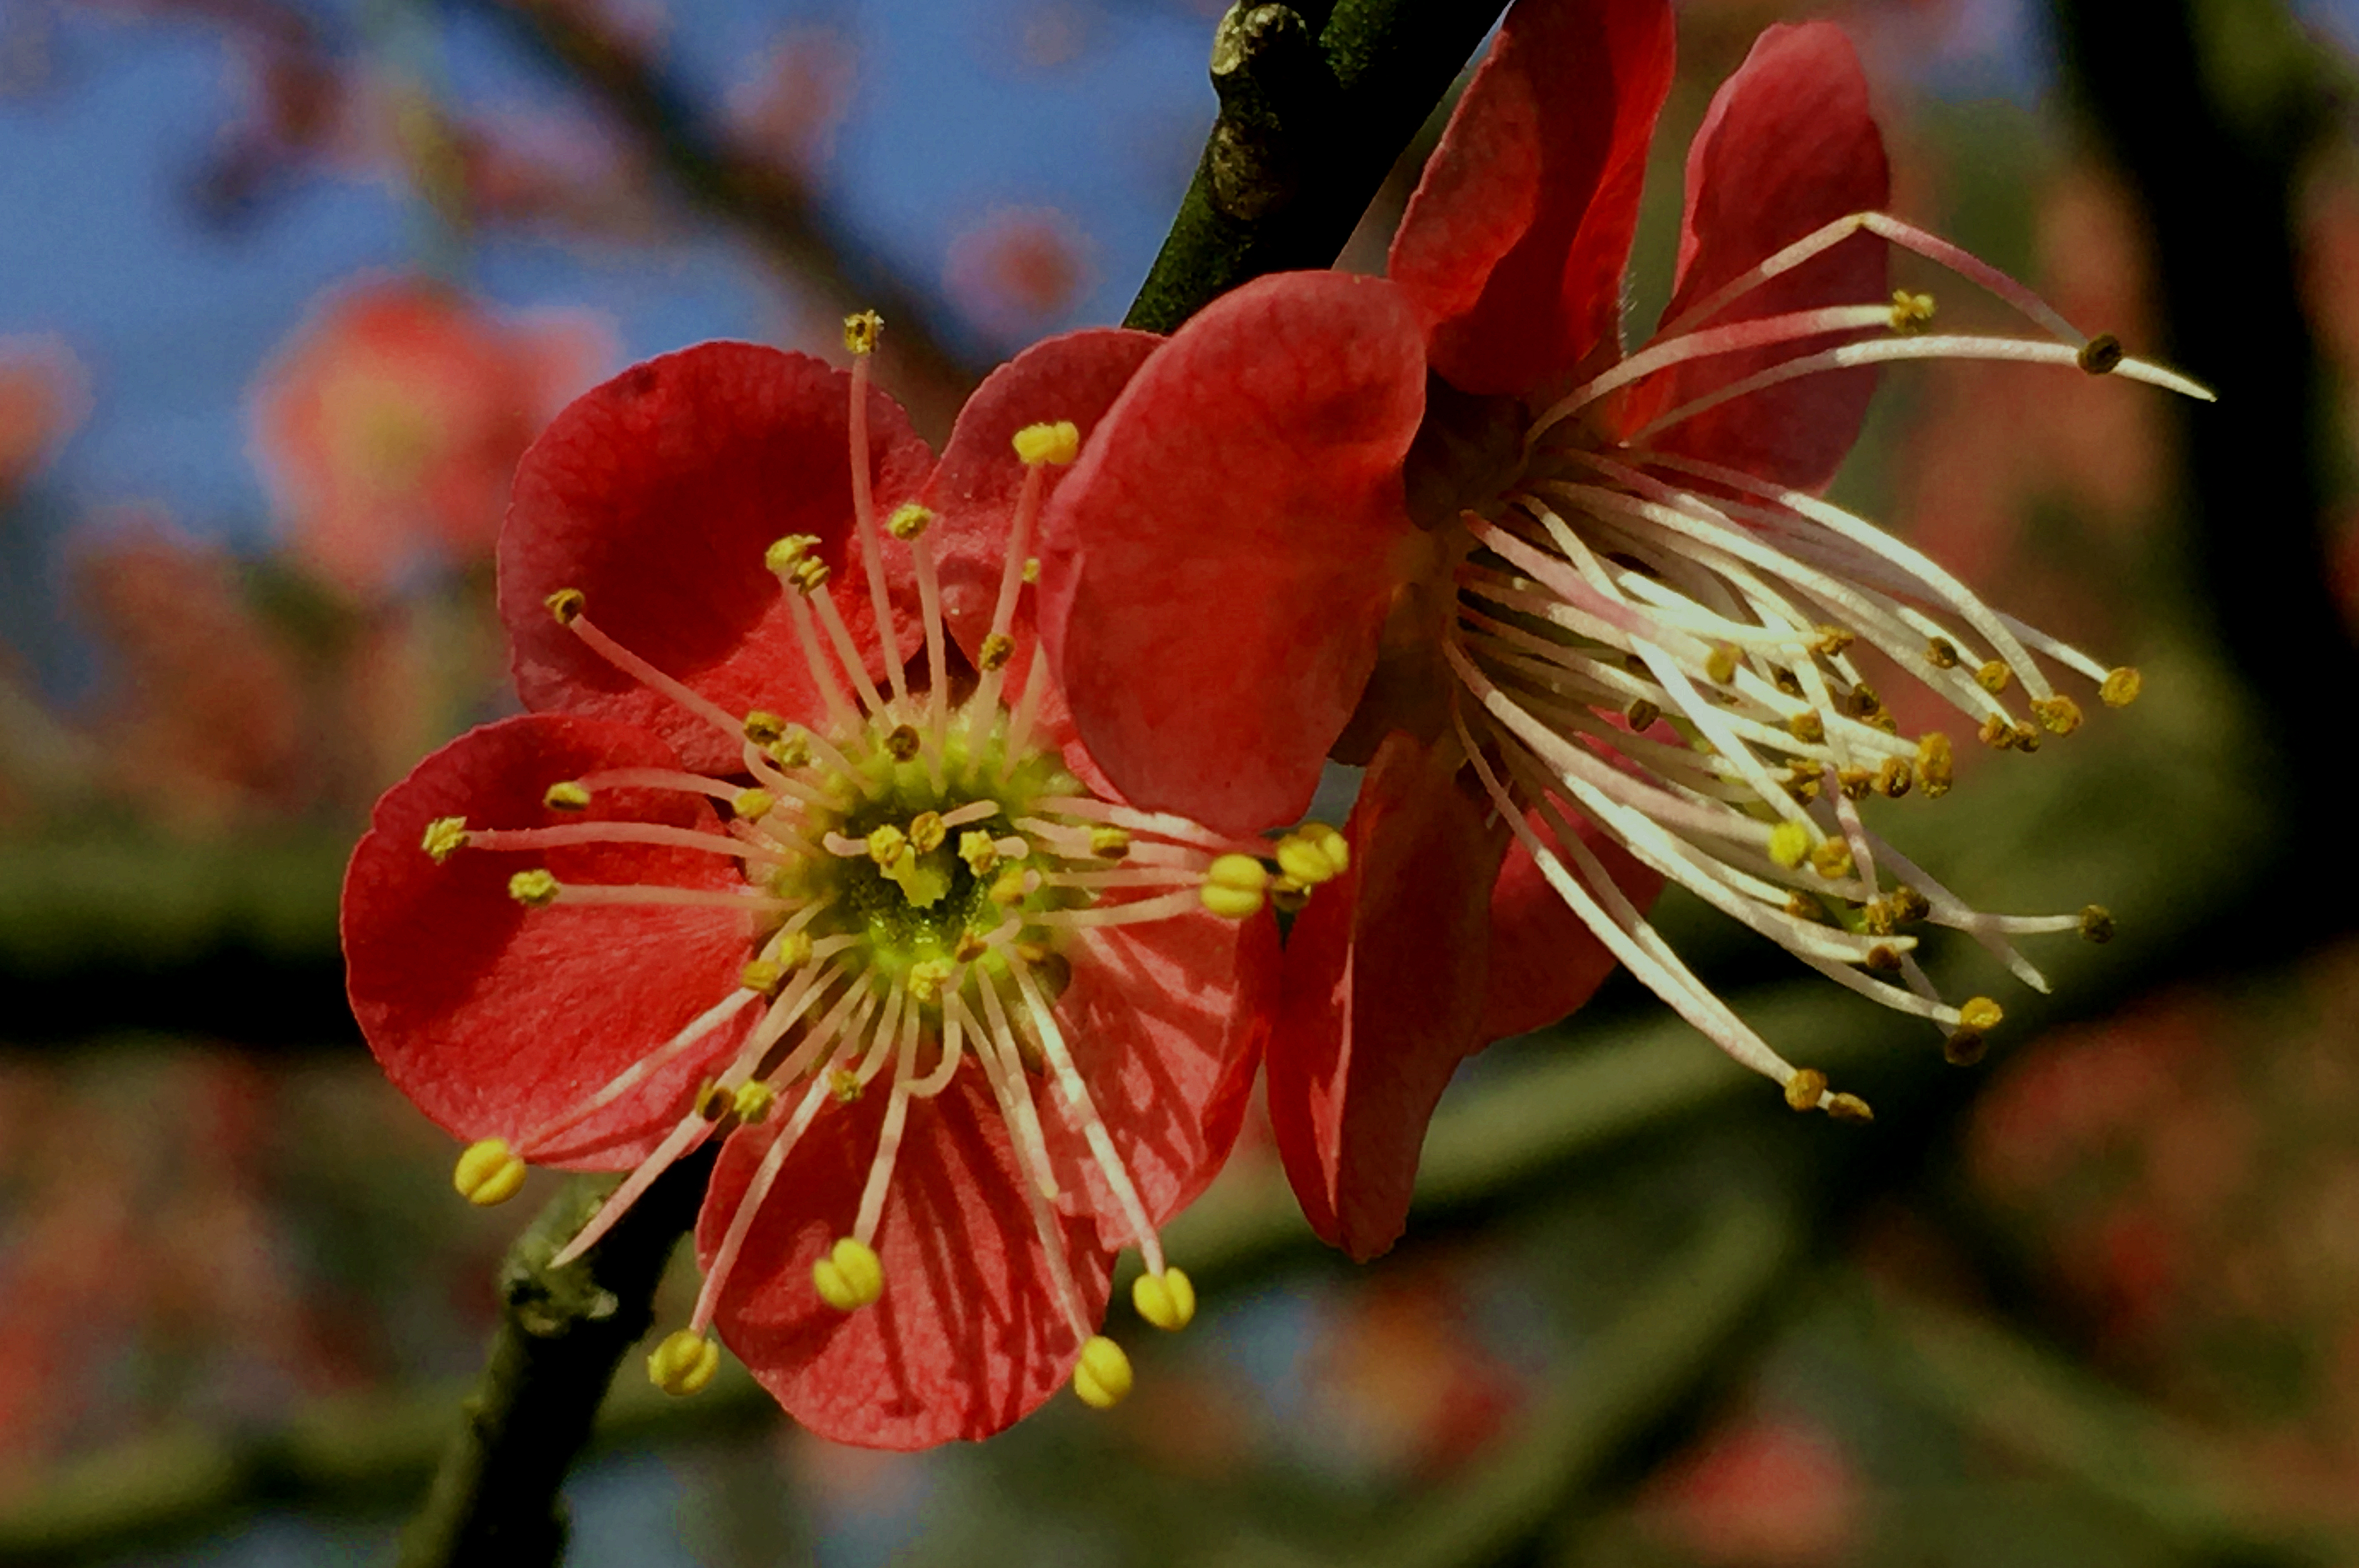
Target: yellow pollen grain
1832,641
1996,733
2122,687
752,1102
445,836
1802,907
887,846
1103,1376
1032,952
683,1364
1908,906
850,1275
1031,572
1855,783
1310,855
845,1084
997,648
1831,858
1806,1088
567,605
2062,716
1941,653
1876,916
1790,844
794,751
2100,354
862,330
795,949
809,575
928,976
784,554
1936,764
1167,1299
1894,777
927,831
488,1173
1911,313
753,805
534,890
764,728
980,852
1721,667
909,520
1007,891
762,976
1109,843
1981,1014
566,796
1993,676
1234,886
2097,924
1862,702
1057,443
1807,728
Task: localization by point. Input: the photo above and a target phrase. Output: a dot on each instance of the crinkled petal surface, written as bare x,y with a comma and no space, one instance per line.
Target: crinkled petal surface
974,491
1382,997
967,1338
1788,147
1166,1021
1219,562
655,495
1543,961
1514,246
495,1019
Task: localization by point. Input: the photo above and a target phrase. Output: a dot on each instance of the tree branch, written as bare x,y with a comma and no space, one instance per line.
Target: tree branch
1316,107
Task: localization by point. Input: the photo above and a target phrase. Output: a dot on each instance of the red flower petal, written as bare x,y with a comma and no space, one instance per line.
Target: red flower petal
968,1337
495,1019
974,491
1166,1021
1788,146
655,495
1382,997
1543,961
1219,560
1513,244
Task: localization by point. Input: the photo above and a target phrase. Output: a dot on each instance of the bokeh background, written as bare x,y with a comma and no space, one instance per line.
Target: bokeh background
287,284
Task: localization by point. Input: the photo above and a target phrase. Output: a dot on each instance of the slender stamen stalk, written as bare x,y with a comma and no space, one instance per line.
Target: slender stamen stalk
646,674
618,832
871,538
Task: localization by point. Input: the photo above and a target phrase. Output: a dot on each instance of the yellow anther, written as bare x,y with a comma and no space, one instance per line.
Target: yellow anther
808,575
488,1173
1883,959
850,1275
1102,1376
1849,1109
979,851
1831,858
927,831
1936,764
998,648
1855,783
845,1084
568,796
1910,311
1908,906
794,950
1981,1014
1167,1299
1806,1088
2024,738
683,1364
2122,687
762,976
903,742
1287,894
1031,952
971,946
1109,843
1640,715
566,604
1058,444
752,805
534,890
887,846
2097,924
1860,702
2062,716
764,728
2101,354
1833,639
860,331
1802,780
1234,886
752,1102
713,1101
1894,777
1032,569
794,751
1008,890
1332,844
1876,916
1808,727
928,976
1996,733
1941,653
1790,844
1993,676
1963,1047
1314,853
1720,668
783,555
445,836
1802,907
1786,681
909,520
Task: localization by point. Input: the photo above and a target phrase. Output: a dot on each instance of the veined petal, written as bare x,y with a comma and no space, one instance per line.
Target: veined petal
1788,147
496,1018
1382,998
1219,561
1166,1021
1514,246
656,496
1544,961
969,1335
